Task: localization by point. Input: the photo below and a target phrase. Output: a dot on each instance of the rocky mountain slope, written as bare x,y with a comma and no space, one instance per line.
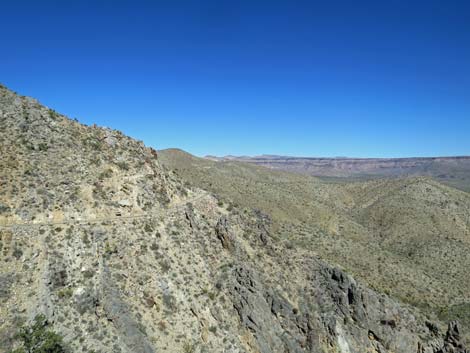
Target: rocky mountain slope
408,237
120,254
453,171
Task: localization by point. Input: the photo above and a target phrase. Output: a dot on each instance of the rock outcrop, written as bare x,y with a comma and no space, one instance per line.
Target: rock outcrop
334,312
223,233
452,341
118,312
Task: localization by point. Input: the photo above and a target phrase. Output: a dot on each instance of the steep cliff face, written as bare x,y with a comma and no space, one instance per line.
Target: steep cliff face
121,256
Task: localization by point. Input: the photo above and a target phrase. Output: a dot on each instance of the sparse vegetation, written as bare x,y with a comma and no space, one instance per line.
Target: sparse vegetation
43,146
65,293
123,165
108,173
126,249
38,338
189,347
380,230
53,114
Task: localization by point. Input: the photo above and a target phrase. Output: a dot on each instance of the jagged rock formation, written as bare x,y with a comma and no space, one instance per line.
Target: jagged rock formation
347,317
224,234
121,256
452,341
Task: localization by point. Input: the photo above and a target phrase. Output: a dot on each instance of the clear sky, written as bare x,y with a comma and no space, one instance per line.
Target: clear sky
311,78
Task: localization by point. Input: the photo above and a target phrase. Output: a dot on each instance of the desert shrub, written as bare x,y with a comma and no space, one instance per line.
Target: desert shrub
162,325
43,146
108,173
65,293
53,114
123,165
165,266
92,143
170,302
4,208
86,239
189,347
88,273
36,338
17,253
109,250
148,228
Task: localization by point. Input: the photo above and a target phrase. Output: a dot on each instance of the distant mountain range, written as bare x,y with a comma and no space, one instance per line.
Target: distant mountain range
453,171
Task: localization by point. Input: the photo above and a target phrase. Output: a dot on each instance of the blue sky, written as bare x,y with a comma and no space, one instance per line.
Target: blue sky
311,78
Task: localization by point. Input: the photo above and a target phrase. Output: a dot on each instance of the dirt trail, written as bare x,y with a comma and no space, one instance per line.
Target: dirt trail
175,207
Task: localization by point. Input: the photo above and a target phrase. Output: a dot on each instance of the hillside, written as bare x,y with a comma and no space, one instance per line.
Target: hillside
452,171
287,197
113,251
406,237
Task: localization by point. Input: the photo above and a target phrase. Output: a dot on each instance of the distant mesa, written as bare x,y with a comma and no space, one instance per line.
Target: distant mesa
453,170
